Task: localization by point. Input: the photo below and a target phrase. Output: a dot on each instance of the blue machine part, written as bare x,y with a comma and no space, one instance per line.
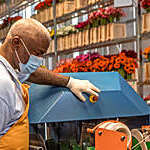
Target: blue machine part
57,104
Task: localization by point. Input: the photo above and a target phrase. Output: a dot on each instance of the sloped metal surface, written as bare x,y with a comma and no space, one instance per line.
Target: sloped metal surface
55,104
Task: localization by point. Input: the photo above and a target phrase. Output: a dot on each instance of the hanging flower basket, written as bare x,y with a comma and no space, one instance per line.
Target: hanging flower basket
116,31
146,22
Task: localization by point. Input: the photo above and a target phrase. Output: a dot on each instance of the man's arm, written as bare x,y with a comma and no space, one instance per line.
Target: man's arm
47,77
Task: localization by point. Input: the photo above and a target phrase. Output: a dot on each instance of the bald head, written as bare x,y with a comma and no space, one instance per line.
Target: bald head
26,35
32,32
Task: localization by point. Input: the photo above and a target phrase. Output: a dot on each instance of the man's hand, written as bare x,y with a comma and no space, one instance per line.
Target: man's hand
78,86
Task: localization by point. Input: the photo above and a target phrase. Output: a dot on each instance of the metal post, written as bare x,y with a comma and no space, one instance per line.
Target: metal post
55,31
8,7
46,135
139,48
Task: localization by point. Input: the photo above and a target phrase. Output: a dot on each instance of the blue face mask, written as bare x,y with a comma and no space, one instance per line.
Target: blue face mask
33,63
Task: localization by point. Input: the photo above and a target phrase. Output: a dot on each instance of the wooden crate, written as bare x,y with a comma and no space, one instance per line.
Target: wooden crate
38,16
70,41
146,23
147,72
79,38
74,40
86,37
116,31
90,2
33,16
42,15
58,44
59,10
3,8
68,6
81,3
48,14
99,34
93,35
103,33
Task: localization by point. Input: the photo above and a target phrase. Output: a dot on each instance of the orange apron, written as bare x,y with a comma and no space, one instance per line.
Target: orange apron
17,137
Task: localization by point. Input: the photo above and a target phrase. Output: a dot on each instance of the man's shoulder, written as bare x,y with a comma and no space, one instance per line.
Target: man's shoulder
5,78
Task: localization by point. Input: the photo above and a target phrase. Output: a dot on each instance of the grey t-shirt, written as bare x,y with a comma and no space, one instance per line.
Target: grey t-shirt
12,104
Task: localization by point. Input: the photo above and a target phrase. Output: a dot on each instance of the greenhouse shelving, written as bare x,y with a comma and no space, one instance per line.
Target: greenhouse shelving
96,45
18,7
80,12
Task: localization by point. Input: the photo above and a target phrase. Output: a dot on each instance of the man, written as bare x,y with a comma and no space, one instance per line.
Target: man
22,51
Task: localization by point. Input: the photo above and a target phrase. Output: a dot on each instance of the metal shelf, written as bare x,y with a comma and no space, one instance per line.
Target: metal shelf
96,45
16,8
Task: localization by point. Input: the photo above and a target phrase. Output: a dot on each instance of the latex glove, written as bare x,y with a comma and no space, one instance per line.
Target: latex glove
78,86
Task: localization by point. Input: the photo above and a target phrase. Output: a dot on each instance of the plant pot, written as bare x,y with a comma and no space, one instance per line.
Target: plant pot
116,31
146,23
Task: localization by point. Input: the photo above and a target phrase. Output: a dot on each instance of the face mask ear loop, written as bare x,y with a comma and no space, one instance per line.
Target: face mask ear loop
18,56
25,47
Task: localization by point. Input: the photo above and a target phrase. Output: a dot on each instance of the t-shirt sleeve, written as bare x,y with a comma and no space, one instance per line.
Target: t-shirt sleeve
4,115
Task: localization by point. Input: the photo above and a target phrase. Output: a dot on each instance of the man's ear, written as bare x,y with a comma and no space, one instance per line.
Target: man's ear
15,42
